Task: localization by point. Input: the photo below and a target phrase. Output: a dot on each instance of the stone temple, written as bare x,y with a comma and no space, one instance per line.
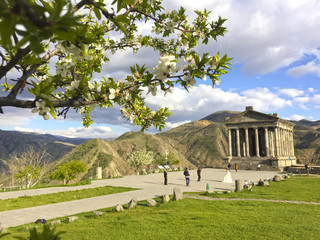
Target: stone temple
257,138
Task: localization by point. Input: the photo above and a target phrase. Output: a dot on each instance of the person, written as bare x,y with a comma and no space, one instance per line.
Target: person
229,166
187,176
236,167
258,167
165,174
227,178
199,173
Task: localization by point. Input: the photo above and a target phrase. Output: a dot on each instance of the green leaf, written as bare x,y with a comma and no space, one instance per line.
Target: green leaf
53,114
97,12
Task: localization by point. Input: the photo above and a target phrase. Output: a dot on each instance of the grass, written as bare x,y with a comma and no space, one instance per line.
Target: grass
201,219
298,188
32,201
196,219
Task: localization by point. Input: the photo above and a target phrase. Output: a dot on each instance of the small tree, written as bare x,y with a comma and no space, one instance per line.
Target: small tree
141,158
68,171
29,167
162,160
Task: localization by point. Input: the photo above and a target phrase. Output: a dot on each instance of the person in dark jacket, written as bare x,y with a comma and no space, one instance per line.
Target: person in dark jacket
165,174
229,167
187,176
199,173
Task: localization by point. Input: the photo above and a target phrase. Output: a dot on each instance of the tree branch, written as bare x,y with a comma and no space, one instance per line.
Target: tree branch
19,55
27,74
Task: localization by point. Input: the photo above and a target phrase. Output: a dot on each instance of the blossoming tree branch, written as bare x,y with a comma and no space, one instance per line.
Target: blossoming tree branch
54,48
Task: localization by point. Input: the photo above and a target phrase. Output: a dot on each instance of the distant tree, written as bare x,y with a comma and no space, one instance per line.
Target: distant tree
162,160
29,167
141,158
68,171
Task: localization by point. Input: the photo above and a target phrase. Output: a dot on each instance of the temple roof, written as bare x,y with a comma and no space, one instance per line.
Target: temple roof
253,117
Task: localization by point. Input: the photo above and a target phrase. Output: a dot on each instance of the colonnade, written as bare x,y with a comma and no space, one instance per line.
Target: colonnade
264,141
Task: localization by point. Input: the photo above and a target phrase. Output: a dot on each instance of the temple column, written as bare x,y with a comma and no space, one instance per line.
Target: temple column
266,139
230,143
238,142
257,141
247,142
292,144
276,141
288,143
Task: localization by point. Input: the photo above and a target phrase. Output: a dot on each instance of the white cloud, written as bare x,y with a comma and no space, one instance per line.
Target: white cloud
15,117
204,100
297,117
291,92
309,68
264,35
71,132
174,125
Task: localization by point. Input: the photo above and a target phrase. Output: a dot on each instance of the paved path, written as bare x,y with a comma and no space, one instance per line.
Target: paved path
149,186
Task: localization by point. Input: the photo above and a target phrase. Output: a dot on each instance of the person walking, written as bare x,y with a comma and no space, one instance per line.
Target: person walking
236,167
187,176
165,174
199,173
229,166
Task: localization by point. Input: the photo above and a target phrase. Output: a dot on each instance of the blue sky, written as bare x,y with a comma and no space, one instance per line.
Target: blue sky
275,46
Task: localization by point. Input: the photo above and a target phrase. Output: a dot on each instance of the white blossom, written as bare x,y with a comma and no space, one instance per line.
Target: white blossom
73,85
165,66
113,93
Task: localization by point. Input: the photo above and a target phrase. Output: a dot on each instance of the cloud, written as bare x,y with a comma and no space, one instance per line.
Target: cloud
204,100
312,67
177,124
297,117
291,92
264,35
71,132
15,117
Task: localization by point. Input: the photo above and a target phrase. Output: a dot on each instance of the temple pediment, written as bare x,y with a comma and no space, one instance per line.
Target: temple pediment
251,116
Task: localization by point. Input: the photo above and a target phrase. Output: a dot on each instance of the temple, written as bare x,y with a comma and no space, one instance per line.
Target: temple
258,138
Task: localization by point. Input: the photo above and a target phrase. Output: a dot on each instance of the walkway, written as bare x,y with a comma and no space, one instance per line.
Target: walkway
149,186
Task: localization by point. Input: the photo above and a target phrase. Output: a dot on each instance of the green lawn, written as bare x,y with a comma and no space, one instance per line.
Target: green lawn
298,188
32,201
201,219
197,219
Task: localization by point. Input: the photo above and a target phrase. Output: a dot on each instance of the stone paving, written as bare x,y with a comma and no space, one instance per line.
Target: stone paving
149,186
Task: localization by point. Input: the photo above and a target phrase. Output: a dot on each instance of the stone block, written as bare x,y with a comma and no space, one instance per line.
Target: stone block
55,222
72,218
132,203
165,198
277,178
239,186
177,194
118,208
97,213
151,202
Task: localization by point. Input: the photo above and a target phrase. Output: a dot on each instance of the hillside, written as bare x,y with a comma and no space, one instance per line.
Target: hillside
112,156
18,142
204,142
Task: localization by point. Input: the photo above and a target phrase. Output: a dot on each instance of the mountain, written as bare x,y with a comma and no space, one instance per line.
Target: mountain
202,142
220,116
18,142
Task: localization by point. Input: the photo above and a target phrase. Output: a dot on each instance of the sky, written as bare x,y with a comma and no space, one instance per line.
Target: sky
275,46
